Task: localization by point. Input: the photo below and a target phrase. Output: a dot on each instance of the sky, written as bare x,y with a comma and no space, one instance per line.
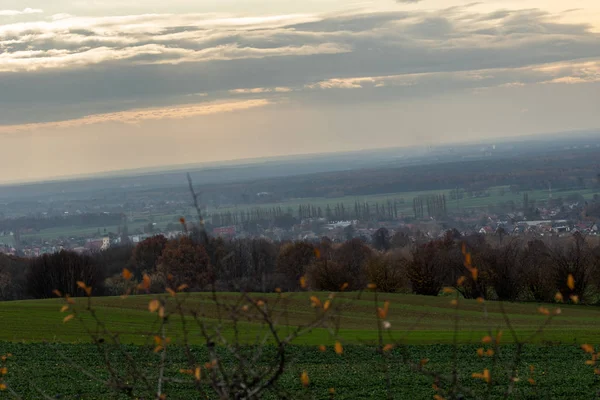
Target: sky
90,86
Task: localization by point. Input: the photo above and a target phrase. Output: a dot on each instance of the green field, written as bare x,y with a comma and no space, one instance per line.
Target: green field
417,319
425,324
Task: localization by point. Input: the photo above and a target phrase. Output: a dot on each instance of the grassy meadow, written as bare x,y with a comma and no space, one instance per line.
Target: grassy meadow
424,324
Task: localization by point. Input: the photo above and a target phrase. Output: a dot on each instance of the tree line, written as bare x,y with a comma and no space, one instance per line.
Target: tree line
517,269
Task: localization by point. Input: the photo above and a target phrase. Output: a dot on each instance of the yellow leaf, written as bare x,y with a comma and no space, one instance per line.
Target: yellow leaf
304,379
153,305
557,311
326,305
88,291
181,288
64,308
197,373
69,299
438,397
588,348
454,302
460,281
558,297
388,347
57,292
157,349
3,371
260,303
338,348
344,286
161,312
303,282
571,282
171,292
186,371
575,298
315,302
68,318
277,290
2,386
81,284
127,275
447,290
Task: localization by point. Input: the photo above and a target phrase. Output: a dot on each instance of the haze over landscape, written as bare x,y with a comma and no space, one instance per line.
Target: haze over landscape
113,85
308,199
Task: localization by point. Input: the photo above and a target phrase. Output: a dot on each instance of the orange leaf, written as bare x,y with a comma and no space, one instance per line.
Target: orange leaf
303,282
371,286
304,379
317,253
587,348
486,339
464,248
489,353
383,312
81,284
88,291
468,260
531,381
480,352
388,347
423,361
2,386
447,290
64,308
171,292
322,348
474,273
153,305
57,292
454,302
460,281
338,348
571,282
3,371
181,288
543,310
498,337
197,373
480,300
161,312
326,305
68,318
344,286
145,284
315,302
127,275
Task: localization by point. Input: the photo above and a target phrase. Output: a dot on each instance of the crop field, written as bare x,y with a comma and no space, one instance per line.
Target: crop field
424,324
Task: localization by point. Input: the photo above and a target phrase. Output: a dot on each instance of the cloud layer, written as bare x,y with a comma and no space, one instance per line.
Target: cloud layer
66,67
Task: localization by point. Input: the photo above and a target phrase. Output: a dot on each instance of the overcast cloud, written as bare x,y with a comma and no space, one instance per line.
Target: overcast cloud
71,67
